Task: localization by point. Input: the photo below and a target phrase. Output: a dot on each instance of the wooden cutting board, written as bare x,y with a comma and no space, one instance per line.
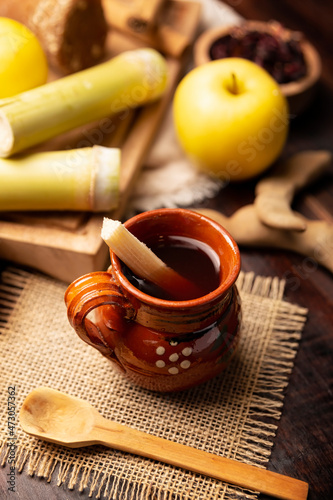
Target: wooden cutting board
68,245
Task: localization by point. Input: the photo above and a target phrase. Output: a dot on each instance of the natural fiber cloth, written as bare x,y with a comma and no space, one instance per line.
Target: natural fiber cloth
234,415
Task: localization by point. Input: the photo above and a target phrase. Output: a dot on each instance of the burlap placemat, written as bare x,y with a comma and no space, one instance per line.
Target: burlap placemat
234,415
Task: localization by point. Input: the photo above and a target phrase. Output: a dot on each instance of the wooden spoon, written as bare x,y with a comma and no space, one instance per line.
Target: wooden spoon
66,420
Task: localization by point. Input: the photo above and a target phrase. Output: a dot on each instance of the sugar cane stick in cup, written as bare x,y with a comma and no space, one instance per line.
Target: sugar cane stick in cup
143,262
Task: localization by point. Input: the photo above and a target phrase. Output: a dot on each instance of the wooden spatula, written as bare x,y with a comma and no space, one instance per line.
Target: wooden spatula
62,419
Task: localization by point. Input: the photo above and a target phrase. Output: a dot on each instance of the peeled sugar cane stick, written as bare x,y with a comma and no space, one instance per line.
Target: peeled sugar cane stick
127,81
142,261
79,179
72,32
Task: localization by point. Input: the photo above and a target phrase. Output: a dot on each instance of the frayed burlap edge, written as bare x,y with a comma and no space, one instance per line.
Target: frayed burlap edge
266,403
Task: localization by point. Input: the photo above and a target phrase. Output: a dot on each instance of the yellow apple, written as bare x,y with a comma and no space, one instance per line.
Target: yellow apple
23,64
230,118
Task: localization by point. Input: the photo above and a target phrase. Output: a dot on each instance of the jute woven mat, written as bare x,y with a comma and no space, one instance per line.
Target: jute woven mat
234,415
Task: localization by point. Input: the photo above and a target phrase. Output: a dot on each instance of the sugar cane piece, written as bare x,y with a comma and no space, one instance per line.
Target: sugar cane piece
143,262
80,179
275,193
127,81
72,32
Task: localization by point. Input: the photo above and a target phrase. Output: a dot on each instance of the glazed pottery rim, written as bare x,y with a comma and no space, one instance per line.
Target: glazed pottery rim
313,61
212,296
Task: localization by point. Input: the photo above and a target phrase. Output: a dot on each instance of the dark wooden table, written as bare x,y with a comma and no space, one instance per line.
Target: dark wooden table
303,446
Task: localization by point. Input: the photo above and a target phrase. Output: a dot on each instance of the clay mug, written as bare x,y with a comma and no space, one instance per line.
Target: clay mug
159,344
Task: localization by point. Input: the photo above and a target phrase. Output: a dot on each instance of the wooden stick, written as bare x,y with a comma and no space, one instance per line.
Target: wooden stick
137,144
71,32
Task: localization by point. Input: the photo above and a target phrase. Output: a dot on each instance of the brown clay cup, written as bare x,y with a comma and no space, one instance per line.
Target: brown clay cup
158,344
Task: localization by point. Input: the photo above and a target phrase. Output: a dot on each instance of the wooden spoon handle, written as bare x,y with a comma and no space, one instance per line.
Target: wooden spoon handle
231,471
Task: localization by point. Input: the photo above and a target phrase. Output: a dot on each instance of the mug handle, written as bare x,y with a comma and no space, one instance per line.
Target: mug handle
86,294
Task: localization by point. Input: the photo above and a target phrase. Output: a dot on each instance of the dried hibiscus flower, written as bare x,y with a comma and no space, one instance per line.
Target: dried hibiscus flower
278,51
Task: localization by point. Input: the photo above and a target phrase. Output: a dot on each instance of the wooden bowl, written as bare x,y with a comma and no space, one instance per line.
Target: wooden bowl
299,92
